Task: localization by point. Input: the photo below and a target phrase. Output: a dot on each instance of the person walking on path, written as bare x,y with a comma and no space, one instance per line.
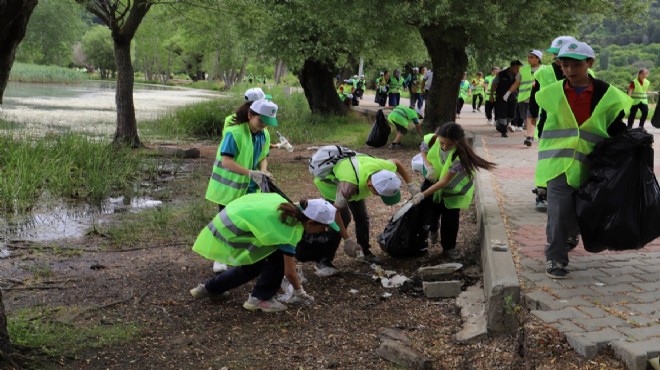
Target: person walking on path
382,88
490,104
524,86
464,89
354,179
396,84
504,95
416,84
478,85
401,117
241,160
450,163
581,111
257,234
638,91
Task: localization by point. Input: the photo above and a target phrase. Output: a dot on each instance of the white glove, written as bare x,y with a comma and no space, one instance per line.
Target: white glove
506,96
351,247
430,173
340,201
418,198
413,188
300,296
258,177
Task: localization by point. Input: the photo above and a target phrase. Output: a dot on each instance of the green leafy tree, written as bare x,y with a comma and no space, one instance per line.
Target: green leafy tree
98,50
122,17
54,28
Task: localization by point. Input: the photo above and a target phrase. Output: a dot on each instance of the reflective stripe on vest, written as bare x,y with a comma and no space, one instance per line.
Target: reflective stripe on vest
564,145
639,93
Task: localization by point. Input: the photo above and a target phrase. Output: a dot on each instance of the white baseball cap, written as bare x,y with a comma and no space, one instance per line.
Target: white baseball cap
321,211
254,94
576,50
387,186
267,110
558,43
538,53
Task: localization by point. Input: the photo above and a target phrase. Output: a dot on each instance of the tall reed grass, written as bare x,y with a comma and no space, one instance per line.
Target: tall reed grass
67,165
22,72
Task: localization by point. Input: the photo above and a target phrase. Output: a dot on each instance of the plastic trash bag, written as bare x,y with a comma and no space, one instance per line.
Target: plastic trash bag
618,208
655,121
380,131
417,163
404,235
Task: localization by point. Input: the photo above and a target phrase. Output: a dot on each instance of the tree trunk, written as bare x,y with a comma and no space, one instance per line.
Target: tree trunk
241,74
126,133
14,17
447,51
316,80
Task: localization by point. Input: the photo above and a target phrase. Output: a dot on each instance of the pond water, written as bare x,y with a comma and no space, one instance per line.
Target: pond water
88,106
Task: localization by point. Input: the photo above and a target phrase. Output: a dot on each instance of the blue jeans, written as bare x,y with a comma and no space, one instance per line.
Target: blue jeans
394,99
416,97
270,271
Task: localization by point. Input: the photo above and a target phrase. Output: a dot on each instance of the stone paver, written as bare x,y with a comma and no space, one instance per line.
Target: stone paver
610,299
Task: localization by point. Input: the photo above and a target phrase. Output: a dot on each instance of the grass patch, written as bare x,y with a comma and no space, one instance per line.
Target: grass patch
22,72
296,121
68,165
36,328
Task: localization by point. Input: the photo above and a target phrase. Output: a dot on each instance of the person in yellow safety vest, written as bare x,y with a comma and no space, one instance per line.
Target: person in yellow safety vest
478,86
353,180
449,167
257,234
400,117
464,90
490,105
524,86
416,84
345,92
396,84
638,91
241,160
382,88
581,112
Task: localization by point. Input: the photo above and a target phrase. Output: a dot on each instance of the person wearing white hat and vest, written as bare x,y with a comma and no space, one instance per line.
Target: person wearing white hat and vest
638,91
354,179
581,112
241,160
524,85
258,234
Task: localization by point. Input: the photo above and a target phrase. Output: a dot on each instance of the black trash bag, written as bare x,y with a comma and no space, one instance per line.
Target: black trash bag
655,121
380,131
618,208
404,236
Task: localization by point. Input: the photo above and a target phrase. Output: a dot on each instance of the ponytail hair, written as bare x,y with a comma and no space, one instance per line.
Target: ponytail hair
290,214
470,161
242,113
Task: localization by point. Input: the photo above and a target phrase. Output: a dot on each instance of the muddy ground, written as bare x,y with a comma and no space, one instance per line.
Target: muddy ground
147,285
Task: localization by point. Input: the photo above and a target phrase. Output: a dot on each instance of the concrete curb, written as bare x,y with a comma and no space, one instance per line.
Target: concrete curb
501,284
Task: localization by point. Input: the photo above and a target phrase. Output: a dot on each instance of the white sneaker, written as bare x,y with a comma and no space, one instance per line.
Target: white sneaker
474,111
490,121
200,292
219,267
518,128
271,305
323,270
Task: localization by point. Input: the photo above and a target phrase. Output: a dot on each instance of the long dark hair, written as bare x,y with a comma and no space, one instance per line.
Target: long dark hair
469,159
290,214
242,113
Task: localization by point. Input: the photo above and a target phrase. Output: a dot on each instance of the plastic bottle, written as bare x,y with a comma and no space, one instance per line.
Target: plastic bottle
284,143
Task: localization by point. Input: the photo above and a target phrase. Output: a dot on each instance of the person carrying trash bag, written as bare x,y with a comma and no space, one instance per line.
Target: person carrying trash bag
241,160
257,235
581,111
401,117
352,180
450,164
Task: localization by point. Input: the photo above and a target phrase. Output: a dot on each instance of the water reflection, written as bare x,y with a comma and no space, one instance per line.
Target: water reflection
61,220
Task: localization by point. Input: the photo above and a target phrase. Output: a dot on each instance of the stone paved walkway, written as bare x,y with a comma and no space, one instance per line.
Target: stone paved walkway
611,298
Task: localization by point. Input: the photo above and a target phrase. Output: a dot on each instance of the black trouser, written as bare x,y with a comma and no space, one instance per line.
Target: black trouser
320,247
459,105
447,218
489,109
381,99
359,211
506,110
270,271
644,108
416,98
476,97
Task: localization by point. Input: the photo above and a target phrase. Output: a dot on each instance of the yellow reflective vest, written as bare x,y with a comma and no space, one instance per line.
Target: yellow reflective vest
247,230
564,145
460,190
639,94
